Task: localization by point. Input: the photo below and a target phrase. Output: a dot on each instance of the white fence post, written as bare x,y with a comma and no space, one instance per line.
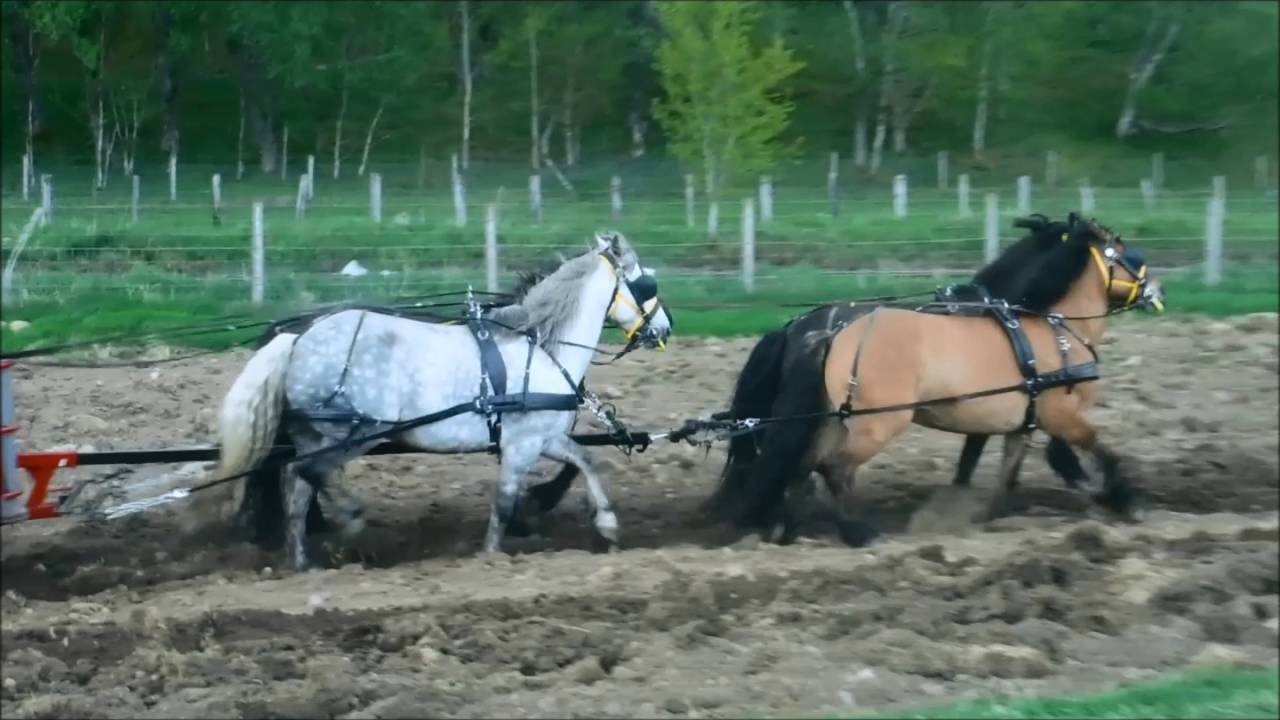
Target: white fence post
991,229
943,169
135,199
1051,169
1087,203
300,205
173,175
216,187
713,218
688,201
899,196
1157,170
1024,194
748,245
46,199
491,248
459,192
833,184
1220,186
535,197
615,196
311,177
375,197
962,195
26,177
259,256
284,154
1147,187
1213,223
766,198
1260,174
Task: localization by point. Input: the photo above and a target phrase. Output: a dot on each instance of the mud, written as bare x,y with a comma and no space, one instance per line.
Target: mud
133,619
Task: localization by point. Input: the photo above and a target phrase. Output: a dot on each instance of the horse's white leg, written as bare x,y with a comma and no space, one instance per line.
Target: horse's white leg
518,459
563,449
297,494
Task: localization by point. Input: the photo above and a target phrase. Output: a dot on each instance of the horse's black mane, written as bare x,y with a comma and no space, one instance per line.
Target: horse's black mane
1021,260
1060,267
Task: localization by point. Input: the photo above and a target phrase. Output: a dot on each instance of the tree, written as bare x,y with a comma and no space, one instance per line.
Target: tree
724,103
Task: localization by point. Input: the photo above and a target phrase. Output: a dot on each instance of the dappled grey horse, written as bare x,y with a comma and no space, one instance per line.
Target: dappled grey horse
356,374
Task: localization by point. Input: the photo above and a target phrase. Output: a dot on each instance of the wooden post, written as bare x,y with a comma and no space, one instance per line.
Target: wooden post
766,199
899,196
1024,194
833,184
748,245
26,177
1087,203
1214,220
491,248
46,199
216,187
259,256
1260,174
615,196
300,205
1148,189
535,197
459,193
173,175
943,169
1157,170
860,144
713,218
284,154
1051,169
962,195
1220,186
135,199
311,177
688,201
991,229
375,198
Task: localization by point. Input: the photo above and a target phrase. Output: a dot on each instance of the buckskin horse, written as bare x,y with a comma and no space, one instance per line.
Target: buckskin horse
355,378
951,368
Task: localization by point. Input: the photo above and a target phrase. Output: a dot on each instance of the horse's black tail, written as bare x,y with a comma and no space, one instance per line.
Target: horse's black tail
754,396
786,449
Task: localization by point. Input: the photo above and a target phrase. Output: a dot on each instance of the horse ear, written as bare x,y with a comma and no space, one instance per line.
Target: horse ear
602,243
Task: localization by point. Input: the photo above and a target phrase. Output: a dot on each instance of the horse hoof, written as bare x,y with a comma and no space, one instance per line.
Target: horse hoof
603,545
858,534
353,527
518,528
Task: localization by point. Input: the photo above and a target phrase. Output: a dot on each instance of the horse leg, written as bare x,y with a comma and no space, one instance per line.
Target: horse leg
1015,450
348,508
969,456
539,500
787,528
1117,492
518,459
564,449
297,493
866,436
1065,463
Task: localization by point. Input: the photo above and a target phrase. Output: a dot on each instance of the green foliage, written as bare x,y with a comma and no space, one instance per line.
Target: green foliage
725,104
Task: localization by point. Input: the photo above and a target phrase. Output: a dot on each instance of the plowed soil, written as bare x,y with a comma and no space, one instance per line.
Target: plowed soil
133,619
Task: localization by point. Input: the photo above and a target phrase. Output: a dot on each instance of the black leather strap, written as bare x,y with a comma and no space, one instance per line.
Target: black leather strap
493,369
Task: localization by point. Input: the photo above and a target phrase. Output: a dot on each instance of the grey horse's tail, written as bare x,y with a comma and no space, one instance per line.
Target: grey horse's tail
248,421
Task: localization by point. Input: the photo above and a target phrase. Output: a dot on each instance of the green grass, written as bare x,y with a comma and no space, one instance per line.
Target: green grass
1204,695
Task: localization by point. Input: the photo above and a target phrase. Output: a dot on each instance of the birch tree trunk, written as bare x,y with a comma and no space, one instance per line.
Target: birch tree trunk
368,138
1144,66
337,130
984,89
534,136
887,79
168,87
465,13
257,105
25,57
860,66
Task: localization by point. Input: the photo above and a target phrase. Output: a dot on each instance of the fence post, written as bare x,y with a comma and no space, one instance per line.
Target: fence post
833,184
1220,186
1214,219
1024,194
375,197
748,245
1147,187
900,196
615,196
1050,169
491,248
766,198
216,187
6,277
860,144
535,196
943,169
1260,174
1157,170
46,199
713,218
311,177
962,195
135,199
688,201
173,175
991,229
26,177
259,255
284,154
1087,204
300,205
459,192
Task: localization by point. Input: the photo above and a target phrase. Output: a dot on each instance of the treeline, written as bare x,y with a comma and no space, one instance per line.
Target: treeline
727,86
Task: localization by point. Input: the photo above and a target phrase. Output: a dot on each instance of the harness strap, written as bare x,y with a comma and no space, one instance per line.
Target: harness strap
857,359
492,368
1025,355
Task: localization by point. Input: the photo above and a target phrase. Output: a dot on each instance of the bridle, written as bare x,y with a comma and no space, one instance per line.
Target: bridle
1106,260
643,290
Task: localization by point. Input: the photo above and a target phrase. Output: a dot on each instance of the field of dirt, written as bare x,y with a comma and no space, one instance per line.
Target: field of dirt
134,620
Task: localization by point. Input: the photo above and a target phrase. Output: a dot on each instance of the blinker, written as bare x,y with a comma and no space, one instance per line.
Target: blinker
643,288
